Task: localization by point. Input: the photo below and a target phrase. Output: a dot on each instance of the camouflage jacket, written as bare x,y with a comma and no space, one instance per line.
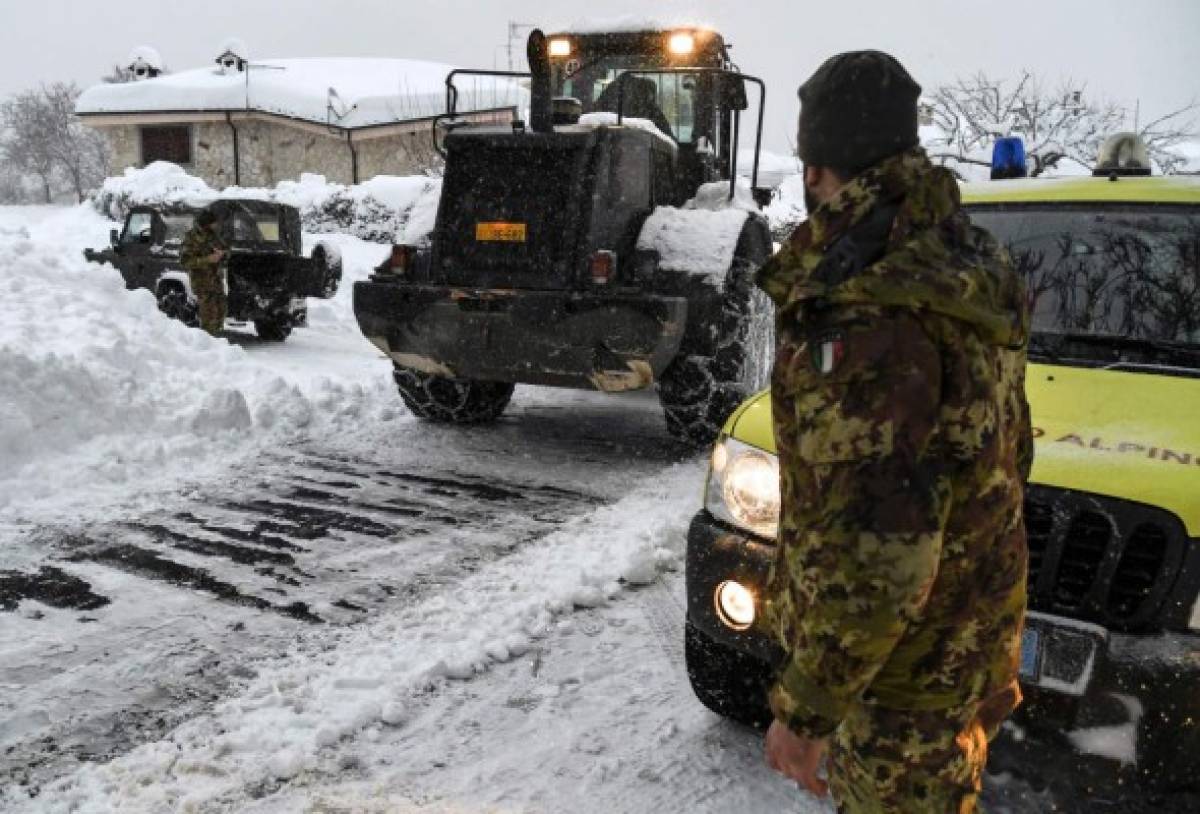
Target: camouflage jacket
904,440
198,244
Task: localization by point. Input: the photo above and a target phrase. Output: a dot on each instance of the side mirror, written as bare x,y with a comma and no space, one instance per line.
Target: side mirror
733,93
114,238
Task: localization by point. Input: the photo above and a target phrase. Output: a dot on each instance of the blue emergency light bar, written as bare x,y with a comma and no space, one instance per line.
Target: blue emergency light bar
1008,159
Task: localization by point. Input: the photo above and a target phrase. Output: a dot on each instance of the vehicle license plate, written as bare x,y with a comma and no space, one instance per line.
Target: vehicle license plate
500,232
1030,640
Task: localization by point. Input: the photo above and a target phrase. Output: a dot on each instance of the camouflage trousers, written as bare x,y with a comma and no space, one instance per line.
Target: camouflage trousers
211,307
209,288
888,761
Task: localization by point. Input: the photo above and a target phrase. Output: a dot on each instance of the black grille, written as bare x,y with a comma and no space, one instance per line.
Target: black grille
532,185
1101,560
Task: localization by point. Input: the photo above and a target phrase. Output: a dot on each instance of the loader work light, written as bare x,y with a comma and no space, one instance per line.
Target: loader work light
682,43
560,48
1008,159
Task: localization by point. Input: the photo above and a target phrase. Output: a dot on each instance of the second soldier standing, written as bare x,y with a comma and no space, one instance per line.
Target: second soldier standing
201,254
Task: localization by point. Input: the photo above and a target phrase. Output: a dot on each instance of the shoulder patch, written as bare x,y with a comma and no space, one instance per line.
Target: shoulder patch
828,349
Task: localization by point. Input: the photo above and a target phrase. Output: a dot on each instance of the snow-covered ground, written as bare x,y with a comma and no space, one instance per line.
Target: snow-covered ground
253,582
238,576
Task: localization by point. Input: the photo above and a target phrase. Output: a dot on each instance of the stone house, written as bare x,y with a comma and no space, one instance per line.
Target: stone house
256,123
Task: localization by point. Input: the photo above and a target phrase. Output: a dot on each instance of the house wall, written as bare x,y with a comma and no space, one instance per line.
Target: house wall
272,150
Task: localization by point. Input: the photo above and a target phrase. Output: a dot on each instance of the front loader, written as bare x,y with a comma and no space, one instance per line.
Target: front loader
606,243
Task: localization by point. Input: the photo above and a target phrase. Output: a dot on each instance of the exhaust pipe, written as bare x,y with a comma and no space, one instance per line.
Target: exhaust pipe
541,113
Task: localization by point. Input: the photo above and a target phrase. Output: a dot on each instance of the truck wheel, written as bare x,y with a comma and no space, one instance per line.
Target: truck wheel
274,329
709,379
328,269
175,303
451,401
731,684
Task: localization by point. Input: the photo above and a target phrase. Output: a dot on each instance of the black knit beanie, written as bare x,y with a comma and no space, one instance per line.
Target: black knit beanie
856,110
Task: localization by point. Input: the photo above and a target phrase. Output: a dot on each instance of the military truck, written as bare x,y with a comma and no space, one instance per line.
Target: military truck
267,275
604,244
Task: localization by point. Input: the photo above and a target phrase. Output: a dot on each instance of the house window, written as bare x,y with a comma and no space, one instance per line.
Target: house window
170,143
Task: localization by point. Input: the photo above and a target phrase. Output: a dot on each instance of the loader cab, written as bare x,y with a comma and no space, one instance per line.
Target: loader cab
696,110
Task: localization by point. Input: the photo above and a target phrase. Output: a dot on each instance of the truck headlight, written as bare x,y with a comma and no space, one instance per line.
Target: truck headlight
1195,623
743,487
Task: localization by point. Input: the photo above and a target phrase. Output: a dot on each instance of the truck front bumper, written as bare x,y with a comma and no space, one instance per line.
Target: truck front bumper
607,341
1112,707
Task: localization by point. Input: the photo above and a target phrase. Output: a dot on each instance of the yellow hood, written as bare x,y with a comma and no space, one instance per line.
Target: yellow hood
1131,436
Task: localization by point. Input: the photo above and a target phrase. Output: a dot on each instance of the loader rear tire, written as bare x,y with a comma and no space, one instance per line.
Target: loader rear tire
452,401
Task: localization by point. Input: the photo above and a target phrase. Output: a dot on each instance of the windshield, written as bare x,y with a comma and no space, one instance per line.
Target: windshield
1118,272
668,100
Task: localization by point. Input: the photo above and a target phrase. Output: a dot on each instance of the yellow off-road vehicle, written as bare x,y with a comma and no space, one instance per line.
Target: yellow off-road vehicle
1111,654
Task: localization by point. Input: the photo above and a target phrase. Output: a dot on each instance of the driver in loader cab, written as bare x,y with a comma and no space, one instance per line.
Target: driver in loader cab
898,587
201,255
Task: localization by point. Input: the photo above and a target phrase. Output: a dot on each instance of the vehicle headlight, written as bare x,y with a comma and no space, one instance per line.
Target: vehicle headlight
743,487
1195,623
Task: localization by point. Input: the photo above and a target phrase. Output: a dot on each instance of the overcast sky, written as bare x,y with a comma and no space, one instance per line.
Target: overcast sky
1124,50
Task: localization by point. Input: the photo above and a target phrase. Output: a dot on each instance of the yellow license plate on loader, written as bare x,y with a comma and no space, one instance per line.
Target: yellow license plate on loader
500,232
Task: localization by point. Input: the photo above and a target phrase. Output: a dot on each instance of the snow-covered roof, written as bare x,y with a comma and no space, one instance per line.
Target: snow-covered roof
347,92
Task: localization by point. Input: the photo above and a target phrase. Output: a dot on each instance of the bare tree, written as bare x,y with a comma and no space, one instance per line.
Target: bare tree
25,146
81,152
1058,125
45,139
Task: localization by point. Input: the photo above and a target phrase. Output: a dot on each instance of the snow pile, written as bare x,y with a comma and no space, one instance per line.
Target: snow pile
300,715
379,210
773,168
700,238
344,92
158,184
98,390
787,207
594,121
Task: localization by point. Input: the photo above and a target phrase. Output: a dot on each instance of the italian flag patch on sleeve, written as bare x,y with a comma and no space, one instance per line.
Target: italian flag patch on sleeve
827,352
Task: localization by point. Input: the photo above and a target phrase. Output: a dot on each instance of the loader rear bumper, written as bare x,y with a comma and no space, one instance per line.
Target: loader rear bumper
609,341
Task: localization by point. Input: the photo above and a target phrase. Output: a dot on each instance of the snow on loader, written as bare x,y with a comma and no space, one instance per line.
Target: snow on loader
606,244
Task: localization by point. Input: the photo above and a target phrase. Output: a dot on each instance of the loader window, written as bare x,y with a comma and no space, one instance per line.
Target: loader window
672,96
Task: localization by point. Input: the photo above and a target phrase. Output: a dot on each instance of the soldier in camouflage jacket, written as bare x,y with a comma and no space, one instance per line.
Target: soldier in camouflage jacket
898,592
201,255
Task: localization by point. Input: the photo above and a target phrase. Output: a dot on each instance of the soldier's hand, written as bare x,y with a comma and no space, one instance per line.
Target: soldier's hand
797,757
216,256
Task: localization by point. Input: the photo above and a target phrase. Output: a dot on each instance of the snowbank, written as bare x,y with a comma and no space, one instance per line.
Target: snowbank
99,391
380,210
160,183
